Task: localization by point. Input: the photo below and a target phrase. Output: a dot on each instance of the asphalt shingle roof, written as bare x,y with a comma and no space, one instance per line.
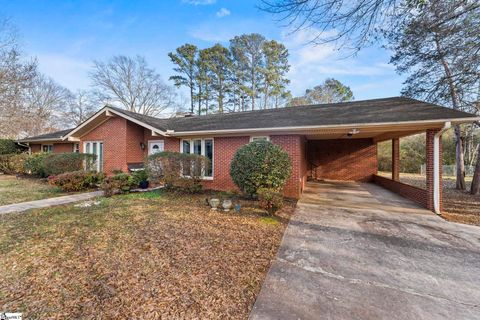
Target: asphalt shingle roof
397,109
57,135
386,110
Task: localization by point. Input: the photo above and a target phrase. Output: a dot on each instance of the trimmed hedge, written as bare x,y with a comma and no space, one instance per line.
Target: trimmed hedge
260,164
77,180
46,164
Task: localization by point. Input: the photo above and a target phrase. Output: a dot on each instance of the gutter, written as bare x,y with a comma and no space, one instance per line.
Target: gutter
436,167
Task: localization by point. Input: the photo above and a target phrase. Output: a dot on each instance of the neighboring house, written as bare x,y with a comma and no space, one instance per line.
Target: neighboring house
329,141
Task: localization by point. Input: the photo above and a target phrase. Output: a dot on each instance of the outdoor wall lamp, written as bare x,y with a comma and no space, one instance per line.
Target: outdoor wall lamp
142,145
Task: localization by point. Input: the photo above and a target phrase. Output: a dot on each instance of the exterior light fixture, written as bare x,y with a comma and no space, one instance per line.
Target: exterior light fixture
142,145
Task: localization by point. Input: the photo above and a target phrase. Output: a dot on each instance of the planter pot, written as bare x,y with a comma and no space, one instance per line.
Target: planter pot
238,207
143,184
214,203
227,205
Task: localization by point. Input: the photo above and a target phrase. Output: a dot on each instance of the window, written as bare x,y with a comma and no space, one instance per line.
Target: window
96,148
76,147
202,147
260,138
47,147
155,146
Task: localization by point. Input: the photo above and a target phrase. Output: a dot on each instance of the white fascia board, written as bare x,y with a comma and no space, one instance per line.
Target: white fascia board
336,126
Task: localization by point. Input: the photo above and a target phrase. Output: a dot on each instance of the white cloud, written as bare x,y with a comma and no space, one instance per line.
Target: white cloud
67,71
312,63
199,2
223,12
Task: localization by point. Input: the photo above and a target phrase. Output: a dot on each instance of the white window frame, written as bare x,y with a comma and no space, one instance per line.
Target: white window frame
253,138
50,145
98,164
155,142
202,153
76,147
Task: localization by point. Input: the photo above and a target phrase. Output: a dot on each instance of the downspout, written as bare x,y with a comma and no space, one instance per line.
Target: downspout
436,167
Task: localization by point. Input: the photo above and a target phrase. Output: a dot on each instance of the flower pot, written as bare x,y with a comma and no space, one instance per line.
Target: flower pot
143,184
237,207
227,205
214,203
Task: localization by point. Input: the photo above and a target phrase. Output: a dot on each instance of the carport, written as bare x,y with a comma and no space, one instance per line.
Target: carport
350,154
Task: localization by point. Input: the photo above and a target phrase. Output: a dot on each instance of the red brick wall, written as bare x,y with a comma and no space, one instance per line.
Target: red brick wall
429,169
113,134
170,144
57,147
134,152
396,159
294,145
405,190
224,149
343,159
34,148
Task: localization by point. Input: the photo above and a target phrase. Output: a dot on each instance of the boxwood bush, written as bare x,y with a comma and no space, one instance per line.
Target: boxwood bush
13,163
260,164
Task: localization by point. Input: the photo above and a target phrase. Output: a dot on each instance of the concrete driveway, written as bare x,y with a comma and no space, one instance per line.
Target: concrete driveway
358,251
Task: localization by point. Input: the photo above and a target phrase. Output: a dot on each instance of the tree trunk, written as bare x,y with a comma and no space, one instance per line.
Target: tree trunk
475,189
459,156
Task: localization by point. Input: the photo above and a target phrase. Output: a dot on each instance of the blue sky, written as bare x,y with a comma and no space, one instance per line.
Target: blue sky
66,36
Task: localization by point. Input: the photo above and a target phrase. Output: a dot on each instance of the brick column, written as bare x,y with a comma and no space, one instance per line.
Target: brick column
430,135
396,159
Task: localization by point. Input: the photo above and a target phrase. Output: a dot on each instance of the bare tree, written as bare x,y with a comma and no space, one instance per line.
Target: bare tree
132,84
350,24
44,104
16,76
82,105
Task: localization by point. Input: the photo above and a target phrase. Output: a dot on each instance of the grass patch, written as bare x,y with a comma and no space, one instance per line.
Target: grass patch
143,255
13,190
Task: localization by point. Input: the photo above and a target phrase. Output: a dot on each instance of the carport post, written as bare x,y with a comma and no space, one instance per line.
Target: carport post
396,159
434,168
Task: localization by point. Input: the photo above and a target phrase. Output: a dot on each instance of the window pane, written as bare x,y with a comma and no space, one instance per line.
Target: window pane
186,146
87,148
209,155
197,146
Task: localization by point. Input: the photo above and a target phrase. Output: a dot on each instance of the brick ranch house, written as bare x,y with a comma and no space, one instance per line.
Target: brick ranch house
330,141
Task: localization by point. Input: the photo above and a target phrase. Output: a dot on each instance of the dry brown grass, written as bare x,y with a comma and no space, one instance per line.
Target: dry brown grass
458,206
13,190
143,256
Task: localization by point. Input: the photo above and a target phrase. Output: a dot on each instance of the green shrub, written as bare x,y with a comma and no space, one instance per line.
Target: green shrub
119,183
260,164
13,163
67,162
269,199
177,170
8,146
34,164
76,180
139,176
45,164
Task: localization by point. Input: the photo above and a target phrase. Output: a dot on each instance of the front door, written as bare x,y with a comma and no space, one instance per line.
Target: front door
155,146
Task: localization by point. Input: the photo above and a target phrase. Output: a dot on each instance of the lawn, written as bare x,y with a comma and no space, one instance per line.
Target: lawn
458,206
141,256
13,190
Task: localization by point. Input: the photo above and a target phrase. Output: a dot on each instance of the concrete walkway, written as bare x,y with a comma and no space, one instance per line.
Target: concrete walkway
44,203
357,251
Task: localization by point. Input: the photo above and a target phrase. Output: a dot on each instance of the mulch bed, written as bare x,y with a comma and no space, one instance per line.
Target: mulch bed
141,256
